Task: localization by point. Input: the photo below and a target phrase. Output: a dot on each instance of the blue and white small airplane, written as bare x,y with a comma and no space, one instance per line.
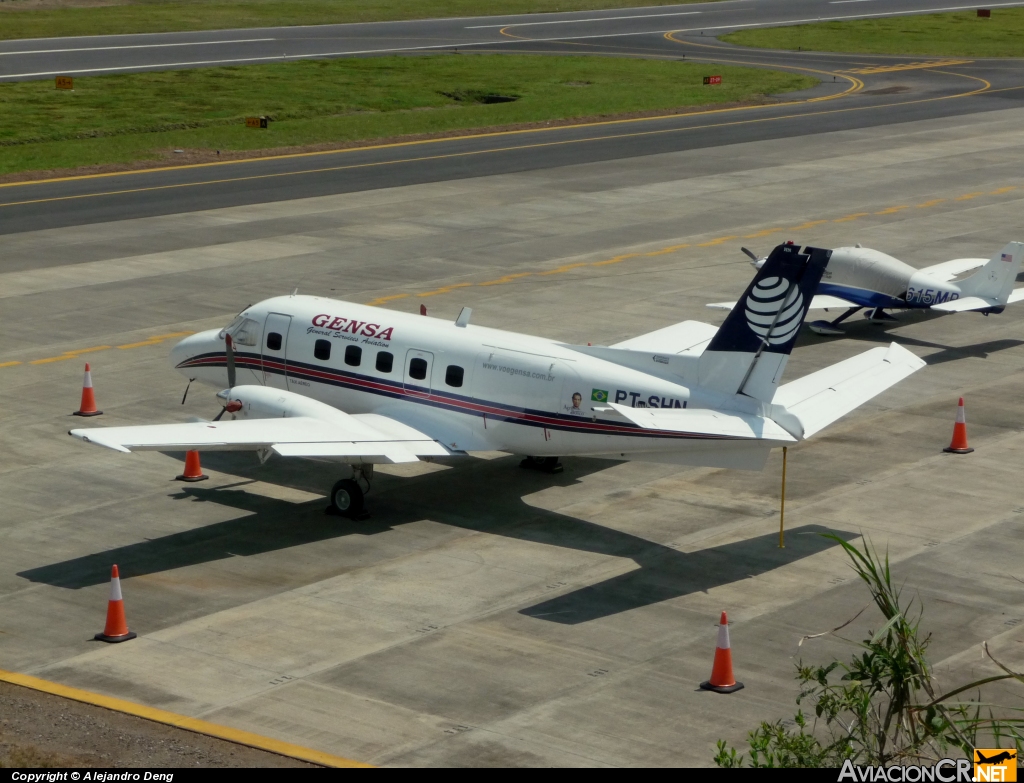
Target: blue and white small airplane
858,278
322,379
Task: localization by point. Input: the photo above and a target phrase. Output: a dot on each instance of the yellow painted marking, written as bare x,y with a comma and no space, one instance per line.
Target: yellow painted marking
764,233
562,269
506,279
809,224
237,736
848,218
445,289
665,250
917,66
1002,190
382,299
717,241
9,364
69,355
155,340
968,196
931,203
616,260
891,210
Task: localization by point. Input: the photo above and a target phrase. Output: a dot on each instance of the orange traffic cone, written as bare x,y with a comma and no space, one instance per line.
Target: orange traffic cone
116,629
193,472
959,442
88,407
722,679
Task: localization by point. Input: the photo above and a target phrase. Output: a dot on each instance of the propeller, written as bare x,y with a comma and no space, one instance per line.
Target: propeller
750,254
229,350
231,406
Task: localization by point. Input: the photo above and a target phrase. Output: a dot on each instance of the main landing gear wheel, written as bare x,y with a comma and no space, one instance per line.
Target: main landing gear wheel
347,500
542,464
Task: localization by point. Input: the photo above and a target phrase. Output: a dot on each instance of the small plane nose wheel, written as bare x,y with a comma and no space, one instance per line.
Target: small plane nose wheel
542,464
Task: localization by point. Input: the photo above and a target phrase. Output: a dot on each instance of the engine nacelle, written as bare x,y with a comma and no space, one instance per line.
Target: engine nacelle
259,402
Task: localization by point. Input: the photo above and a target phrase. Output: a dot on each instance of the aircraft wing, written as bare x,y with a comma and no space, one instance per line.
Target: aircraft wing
818,399
966,303
375,437
701,421
951,269
677,338
819,302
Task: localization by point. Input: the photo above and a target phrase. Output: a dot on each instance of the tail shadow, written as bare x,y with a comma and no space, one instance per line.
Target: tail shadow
664,574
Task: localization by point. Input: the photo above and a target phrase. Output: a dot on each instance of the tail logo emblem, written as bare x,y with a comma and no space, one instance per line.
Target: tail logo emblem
768,297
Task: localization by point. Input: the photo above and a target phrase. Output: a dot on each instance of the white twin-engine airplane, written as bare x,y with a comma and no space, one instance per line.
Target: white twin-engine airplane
859,277
323,379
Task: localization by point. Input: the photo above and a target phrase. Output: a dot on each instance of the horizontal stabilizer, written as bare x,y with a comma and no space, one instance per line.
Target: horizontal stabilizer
950,270
685,336
965,304
818,302
1016,295
705,423
818,399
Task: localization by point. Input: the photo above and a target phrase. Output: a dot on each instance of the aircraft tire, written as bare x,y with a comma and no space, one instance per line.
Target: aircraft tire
347,498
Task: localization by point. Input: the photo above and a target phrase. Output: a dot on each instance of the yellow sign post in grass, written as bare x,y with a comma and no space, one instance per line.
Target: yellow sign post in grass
256,122
64,83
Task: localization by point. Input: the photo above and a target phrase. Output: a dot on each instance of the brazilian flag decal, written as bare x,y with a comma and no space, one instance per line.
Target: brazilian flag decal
599,395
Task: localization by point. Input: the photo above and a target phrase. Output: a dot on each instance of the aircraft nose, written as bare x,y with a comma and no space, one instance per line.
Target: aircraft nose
183,354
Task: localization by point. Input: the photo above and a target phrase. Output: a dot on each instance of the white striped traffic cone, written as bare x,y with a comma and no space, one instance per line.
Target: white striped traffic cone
722,679
116,628
959,443
88,405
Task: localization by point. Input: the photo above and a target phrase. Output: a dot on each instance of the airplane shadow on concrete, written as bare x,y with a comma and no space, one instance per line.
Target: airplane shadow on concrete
475,495
878,333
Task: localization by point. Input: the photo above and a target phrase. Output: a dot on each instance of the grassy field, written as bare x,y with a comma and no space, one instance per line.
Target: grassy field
960,34
53,18
125,118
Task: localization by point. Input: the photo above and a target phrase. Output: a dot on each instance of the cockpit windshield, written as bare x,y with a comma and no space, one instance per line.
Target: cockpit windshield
243,331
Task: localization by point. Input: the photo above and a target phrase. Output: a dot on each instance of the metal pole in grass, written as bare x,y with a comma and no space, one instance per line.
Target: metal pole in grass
782,507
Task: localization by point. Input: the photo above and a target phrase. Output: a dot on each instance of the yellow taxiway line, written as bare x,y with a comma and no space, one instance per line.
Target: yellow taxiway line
196,725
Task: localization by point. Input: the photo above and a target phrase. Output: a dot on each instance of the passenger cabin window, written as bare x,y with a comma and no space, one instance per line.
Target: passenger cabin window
353,355
274,341
385,361
322,350
418,369
453,375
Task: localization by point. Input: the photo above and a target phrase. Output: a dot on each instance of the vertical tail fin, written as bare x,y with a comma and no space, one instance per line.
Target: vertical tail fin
995,280
750,350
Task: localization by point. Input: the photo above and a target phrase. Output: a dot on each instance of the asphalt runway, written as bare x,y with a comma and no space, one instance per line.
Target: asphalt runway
43,58
856,91
486,615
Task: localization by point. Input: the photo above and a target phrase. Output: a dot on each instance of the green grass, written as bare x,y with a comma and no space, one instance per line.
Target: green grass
158,16
960,34
124,118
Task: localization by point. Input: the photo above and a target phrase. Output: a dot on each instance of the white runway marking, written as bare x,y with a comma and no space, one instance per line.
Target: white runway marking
577,21
137,46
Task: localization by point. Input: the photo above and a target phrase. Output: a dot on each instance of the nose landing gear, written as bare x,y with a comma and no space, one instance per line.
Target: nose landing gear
542,464
348,495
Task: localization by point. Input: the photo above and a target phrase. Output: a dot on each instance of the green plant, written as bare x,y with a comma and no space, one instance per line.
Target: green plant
881,707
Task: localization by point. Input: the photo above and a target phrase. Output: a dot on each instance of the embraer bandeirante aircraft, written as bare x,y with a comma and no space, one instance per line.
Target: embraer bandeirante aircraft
323,379
859,278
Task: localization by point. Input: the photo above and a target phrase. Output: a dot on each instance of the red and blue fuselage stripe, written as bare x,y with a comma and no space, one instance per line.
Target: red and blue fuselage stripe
438,399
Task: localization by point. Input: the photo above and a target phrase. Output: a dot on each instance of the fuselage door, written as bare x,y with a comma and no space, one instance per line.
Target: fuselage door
418,367
275,350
